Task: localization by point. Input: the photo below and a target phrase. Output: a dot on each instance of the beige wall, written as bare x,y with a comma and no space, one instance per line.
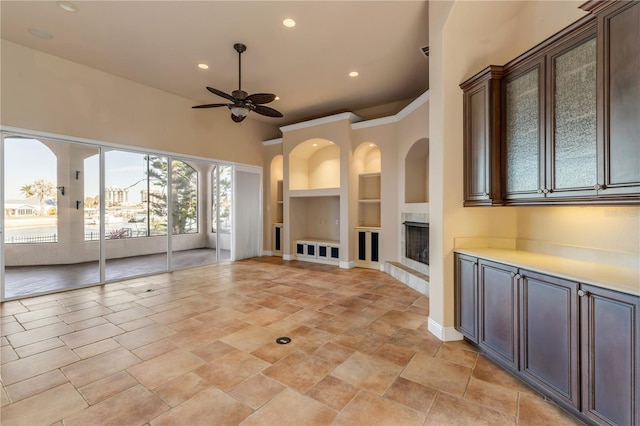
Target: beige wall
46,93
464,38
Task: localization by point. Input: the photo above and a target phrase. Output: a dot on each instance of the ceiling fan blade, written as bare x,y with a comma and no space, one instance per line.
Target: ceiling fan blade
221,94
261,98
236,118
269,112
210,105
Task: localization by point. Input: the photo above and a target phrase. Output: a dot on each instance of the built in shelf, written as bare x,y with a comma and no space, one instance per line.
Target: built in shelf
323,192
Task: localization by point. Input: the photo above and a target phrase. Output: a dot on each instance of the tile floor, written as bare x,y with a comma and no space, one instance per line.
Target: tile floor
198,347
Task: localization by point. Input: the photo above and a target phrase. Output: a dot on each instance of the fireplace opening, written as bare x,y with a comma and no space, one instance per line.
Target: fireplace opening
416,241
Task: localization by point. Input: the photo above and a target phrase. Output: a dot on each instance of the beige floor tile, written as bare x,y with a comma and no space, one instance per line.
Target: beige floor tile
273,352
88,323
489,371
256,391
161,369
44,408
34,348
91,335
497,397
449,410
229,370
85,314
135,324
96,348
333,392
396,354
11,327
7,354
39,334
370,409
109,386
154,349
143,336
333,353
213,350
417,341
368,372
250,338
4,398
180,389
100,366
35,385
403,319
361,339
12,308
411,394
133,406
457,355
40,323
299,371
209,407
291,408
436,373
41,313
128,315
25,368
534,411
263,316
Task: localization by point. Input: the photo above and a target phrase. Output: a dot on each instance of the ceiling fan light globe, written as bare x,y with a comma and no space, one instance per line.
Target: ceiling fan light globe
239,111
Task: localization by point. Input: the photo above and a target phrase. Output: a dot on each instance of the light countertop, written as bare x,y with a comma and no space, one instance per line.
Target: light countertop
626,280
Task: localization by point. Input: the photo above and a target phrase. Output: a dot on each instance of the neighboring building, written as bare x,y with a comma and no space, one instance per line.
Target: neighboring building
115,195
12,209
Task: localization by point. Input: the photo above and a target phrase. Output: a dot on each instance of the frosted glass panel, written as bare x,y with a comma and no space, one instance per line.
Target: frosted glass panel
575,114
522,133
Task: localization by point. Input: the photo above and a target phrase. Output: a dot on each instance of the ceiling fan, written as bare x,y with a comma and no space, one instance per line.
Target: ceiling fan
241,101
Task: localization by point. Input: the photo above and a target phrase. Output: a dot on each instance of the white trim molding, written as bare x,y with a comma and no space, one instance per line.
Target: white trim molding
272,142
322,120
347,265
287,257
417,102
446,334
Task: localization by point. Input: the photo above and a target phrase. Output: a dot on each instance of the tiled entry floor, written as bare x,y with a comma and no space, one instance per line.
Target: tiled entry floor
197,347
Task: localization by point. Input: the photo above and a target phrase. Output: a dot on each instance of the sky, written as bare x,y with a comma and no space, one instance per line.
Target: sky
27,159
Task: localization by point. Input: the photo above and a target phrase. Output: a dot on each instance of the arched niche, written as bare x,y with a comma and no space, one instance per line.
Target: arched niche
416,173
367,158
314,164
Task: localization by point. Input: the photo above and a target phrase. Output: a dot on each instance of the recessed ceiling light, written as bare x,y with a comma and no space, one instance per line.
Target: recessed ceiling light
289,23
203,66
68,6
277,98
372,144
314,145
40,34
353,74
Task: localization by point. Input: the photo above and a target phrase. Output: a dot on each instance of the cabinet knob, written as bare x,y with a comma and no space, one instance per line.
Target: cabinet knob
582,293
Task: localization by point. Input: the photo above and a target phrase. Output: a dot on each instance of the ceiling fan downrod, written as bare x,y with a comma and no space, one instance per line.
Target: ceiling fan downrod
239,47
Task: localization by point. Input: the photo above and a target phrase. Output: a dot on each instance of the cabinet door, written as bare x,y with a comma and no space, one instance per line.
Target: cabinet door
619,38
610,338
523,131
498,309
481,104
277,239
549,334
572,160
466,296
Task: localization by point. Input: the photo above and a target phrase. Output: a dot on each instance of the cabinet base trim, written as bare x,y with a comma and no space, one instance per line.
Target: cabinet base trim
347,265
446,334
287,257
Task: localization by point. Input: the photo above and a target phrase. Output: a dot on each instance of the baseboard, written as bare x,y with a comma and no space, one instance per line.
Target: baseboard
348,265
287,257
446,334
267,253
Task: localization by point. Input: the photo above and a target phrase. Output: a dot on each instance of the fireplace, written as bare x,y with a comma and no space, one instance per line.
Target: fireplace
416,241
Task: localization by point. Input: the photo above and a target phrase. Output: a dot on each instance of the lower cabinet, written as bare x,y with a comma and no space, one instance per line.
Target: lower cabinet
322,251
368,247
610,338
277,239
577,344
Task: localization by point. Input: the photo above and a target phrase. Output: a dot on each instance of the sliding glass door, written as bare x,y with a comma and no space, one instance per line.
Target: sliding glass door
77,214
46,247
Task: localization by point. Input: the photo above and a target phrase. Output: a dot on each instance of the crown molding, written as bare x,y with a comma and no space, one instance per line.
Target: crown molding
322,120
415,104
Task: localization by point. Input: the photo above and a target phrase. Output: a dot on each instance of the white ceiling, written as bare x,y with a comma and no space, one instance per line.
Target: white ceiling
159,44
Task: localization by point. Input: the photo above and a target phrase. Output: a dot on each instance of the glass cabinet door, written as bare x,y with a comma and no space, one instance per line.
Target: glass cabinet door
573,132
522,134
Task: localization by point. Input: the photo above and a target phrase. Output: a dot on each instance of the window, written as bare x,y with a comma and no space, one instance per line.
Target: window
184,191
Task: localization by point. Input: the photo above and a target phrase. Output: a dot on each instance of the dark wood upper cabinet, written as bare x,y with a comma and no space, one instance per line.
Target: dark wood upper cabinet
619,97
482,137
566,126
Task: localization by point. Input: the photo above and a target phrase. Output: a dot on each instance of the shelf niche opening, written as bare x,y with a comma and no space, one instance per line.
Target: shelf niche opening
314,164
416,173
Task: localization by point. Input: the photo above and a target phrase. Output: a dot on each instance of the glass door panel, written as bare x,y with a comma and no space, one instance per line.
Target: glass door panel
45,246
191,243
135,220
221,191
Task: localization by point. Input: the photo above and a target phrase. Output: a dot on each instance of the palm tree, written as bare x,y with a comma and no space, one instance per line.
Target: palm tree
40,188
